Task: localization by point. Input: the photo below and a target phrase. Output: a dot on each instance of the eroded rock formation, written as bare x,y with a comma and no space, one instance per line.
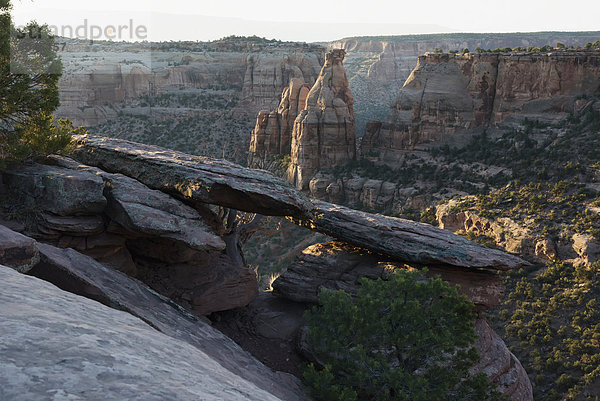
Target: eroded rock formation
339,266
154,218
125,225
324,134
447,97
580,249
273,132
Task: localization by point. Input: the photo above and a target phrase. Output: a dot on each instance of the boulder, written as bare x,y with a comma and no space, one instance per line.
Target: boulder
147,212
337,266
193,178
87,350
61,191
208,282
17,250
405,240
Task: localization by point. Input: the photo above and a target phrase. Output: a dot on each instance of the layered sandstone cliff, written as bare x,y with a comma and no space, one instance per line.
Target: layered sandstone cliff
324,134
378,66
99,76
448,95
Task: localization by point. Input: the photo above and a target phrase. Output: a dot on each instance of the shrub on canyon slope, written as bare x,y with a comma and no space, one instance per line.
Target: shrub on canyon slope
406,338
29,72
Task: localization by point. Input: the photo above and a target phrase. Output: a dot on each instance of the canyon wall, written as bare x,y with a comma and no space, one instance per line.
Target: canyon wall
99,75
449,96
378,66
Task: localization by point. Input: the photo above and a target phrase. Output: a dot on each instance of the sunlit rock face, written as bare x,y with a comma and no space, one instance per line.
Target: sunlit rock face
324,134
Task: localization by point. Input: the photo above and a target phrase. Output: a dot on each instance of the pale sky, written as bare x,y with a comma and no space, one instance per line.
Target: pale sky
307,20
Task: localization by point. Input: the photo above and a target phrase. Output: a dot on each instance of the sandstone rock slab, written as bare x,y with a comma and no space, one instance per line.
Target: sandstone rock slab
148,212
82,275
193,177
500,365
405,240
62,346
58,190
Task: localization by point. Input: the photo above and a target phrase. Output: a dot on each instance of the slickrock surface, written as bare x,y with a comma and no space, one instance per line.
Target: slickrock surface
80,274
273,132
324,134
448,95
87,350
193,177
405,240
338,266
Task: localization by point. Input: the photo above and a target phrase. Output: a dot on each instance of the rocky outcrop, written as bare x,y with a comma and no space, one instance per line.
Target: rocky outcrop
405,240
324,133
337,266
355,191
198,180
580,249
587,248
378,66
500,365
125,225
504,231
17,250
158,217
60,191
268,73
449,96
89,349
273,132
